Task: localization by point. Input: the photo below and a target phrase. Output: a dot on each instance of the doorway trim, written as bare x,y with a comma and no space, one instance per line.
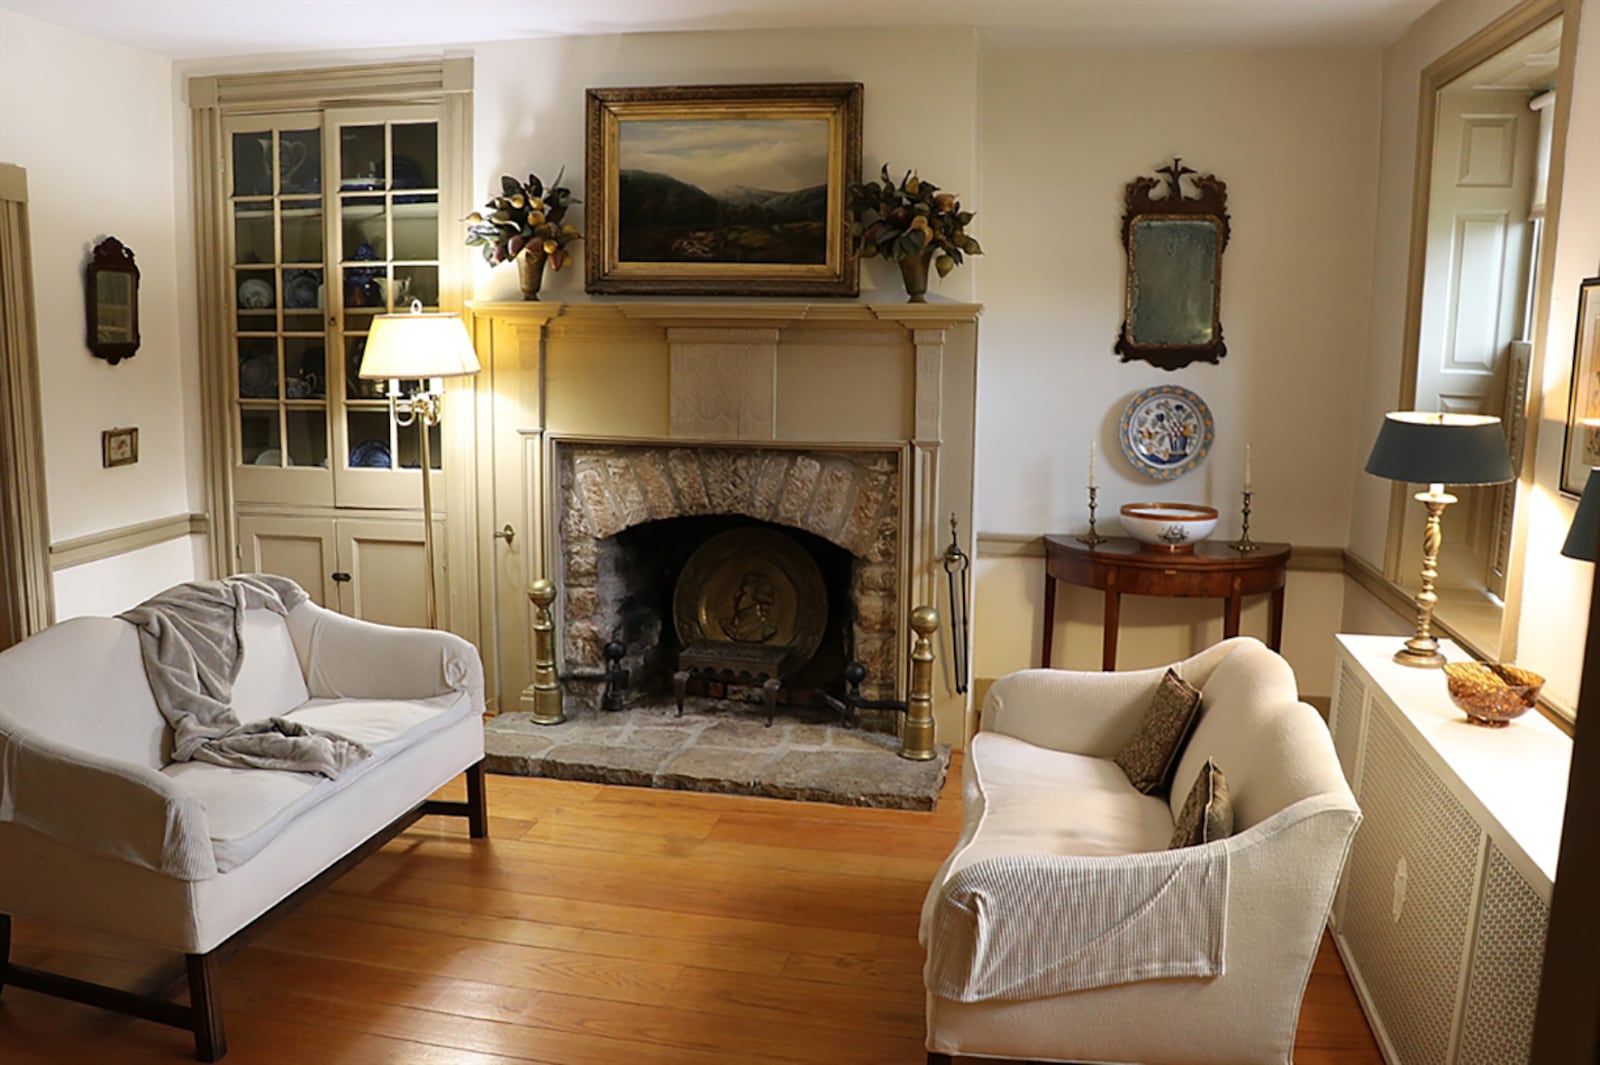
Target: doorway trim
27,594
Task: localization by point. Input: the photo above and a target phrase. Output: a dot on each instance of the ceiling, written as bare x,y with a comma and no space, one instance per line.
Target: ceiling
208,29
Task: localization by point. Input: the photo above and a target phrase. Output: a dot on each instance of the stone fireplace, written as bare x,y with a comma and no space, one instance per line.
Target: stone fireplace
849,499
848,426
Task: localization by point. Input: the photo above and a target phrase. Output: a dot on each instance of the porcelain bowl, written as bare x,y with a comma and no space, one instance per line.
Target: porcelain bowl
1175,527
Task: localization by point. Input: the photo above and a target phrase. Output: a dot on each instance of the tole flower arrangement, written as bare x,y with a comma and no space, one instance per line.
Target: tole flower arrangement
525,217
911,224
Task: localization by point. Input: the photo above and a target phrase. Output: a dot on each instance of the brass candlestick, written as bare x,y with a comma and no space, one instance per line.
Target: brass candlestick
1244,543
1091,537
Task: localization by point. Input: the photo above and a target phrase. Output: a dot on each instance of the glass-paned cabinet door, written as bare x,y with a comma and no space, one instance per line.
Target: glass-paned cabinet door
387,231
276,255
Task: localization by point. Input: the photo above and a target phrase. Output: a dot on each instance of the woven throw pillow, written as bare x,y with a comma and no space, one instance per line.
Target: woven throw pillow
1151,755
1207,813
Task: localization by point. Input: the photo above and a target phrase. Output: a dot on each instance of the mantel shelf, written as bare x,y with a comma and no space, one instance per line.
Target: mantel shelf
772,312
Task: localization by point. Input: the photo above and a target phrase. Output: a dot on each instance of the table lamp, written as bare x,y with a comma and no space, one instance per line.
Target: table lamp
1437,449
419,346
1583,538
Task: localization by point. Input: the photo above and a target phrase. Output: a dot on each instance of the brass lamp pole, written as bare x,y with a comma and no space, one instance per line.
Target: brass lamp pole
419,346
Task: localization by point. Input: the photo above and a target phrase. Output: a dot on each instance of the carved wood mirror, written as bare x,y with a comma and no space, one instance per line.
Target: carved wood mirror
112,298
1174,243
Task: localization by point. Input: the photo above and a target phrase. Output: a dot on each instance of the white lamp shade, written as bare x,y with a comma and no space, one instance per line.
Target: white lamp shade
418,345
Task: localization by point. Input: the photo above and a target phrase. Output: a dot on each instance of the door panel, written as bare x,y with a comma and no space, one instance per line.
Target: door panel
384,560
301,549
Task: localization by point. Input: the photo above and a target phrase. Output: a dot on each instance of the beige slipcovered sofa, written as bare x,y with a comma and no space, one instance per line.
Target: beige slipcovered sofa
1062,928
99,828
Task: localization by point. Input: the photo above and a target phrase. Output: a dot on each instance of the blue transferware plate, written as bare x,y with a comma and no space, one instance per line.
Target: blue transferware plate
373,453
258,377
300,289
1166,431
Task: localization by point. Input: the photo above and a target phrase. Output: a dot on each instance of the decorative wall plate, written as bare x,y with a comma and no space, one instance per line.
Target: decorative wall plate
1166,431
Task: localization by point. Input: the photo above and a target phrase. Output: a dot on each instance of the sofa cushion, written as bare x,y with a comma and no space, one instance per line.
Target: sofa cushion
1207,813
247,808
1150,755
1039,801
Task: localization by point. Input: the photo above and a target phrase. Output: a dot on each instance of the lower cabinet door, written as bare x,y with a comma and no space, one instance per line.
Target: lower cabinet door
384,559
302,549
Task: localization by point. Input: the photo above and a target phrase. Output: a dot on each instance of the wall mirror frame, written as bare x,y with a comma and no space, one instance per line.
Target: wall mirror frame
111,291
1172,310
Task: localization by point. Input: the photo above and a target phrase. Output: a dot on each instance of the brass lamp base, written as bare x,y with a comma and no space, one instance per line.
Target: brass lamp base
1421,653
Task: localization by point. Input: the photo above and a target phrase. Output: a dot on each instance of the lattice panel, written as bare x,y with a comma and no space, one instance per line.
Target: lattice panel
1503,983
1349,707
1411,966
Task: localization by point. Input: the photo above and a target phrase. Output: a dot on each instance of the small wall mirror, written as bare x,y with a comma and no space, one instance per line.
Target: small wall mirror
1172,312
112,296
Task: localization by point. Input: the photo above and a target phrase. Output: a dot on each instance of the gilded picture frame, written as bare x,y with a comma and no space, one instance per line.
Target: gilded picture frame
119,447
1581,448
722,190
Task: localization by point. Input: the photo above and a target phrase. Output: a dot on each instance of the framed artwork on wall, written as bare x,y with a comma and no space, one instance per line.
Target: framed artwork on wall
119,447
722,190
1582,447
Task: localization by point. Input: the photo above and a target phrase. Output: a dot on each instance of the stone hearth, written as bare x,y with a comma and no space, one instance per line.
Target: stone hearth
719,748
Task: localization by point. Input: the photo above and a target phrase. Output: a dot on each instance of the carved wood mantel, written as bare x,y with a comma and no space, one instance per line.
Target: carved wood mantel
779,374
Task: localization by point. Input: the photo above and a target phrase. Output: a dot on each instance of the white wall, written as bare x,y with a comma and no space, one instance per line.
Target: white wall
920,110
92,123
1555,590
1295,136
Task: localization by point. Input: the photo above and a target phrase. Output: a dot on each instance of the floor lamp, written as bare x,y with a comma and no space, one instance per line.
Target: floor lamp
419,346
1437,449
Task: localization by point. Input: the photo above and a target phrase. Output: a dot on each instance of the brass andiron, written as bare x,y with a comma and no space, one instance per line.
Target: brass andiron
1244,543
544,698
917,737
1091,537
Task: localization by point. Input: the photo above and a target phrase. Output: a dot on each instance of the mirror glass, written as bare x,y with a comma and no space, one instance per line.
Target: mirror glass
1173,264
1474,311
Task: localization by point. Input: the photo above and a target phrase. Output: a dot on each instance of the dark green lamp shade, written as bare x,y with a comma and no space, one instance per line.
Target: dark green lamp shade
1425,448
1583,539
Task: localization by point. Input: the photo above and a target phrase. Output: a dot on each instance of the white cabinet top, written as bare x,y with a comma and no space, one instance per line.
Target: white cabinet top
1516,776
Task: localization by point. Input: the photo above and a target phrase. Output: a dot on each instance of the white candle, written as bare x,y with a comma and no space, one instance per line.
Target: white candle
1091,464
1247,467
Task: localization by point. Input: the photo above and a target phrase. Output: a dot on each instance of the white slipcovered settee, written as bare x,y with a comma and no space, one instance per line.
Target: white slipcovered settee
1065,927
100,828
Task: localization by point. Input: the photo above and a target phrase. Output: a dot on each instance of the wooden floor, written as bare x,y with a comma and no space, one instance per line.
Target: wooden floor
599,926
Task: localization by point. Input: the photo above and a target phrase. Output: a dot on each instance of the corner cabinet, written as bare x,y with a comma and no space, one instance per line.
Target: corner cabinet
1442,912
324,198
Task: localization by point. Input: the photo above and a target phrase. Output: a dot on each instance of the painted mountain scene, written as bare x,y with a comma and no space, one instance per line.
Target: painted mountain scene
723,191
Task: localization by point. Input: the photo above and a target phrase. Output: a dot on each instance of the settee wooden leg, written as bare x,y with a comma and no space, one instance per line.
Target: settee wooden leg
210,1041
477,803
936,1058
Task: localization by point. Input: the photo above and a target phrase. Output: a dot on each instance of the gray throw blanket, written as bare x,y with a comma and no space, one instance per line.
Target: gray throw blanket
192,637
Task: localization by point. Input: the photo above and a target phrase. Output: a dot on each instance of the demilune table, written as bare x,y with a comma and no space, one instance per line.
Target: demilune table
1123,565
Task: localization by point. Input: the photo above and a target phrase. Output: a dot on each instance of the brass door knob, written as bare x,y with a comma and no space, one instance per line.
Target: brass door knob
507,534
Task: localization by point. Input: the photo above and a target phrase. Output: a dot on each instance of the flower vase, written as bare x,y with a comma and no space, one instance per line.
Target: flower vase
914,272
530,271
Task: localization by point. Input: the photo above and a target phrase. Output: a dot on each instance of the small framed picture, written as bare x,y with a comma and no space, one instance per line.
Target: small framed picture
119,447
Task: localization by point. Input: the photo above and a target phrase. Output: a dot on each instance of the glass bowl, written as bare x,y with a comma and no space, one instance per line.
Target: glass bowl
1492,694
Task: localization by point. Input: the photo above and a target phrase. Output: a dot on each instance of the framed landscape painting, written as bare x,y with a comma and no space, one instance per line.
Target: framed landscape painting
722,190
